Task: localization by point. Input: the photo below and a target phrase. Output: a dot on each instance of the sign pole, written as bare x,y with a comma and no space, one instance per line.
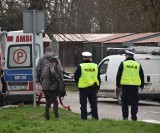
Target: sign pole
33,22
34,58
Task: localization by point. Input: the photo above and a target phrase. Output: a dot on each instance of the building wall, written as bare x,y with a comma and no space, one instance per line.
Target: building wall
70,53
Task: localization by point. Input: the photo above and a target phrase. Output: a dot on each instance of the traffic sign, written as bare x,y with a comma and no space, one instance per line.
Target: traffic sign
28,25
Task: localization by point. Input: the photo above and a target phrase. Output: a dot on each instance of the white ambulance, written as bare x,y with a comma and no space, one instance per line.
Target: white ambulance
18,70
108,69
2,49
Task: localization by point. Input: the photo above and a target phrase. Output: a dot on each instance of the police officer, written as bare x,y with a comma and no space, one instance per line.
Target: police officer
88,78
130,77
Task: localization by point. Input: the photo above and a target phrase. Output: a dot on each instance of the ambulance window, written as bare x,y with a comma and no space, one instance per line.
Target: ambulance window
103,67
19,56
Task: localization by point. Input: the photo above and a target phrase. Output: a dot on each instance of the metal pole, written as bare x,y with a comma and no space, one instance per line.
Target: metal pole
101,51
34,58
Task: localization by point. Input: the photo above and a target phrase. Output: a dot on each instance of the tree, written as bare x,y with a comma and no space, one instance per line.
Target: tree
85,16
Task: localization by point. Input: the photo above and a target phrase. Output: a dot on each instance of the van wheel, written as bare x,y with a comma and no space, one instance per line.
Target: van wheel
119,95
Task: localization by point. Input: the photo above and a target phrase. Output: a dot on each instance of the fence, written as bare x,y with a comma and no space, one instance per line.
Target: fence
101,52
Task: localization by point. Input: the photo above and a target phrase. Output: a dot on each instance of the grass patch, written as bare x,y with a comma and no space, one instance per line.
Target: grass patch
28,119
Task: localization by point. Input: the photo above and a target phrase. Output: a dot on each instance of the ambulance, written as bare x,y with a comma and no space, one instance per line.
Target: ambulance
2,83
150,63
2,47
18,69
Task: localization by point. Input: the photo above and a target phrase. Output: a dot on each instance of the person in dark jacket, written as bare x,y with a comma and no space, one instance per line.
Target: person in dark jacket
42,62
50,76
88,78
130,77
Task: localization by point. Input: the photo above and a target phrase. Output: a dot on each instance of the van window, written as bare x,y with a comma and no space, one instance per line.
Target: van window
103,67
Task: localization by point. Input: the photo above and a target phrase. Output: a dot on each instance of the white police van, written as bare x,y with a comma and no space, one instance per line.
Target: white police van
108,69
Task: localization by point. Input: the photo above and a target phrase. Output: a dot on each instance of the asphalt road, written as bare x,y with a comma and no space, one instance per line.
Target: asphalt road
108,108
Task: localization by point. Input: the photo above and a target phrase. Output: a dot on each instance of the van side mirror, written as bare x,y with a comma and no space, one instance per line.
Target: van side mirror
148,78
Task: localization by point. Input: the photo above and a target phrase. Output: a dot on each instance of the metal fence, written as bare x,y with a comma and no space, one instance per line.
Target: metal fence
101,52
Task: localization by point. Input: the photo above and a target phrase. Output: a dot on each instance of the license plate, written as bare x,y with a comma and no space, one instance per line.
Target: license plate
18,87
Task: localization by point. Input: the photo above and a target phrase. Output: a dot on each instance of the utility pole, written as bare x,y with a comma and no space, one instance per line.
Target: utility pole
33,22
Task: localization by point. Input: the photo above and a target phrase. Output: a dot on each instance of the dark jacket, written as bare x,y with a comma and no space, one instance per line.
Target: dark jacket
49,75
77,73
41,64
120,70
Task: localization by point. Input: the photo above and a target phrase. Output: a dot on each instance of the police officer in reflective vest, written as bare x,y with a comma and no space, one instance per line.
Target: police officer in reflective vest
88,78
130,77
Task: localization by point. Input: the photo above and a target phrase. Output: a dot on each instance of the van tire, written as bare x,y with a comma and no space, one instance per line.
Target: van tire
119,95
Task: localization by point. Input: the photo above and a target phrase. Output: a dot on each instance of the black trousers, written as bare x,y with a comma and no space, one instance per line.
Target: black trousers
51,97
91,94
130,94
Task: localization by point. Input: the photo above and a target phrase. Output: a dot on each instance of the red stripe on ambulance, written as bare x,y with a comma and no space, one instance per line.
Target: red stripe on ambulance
24,38
9,38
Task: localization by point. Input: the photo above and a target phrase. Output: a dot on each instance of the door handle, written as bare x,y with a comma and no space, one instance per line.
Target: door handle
106,77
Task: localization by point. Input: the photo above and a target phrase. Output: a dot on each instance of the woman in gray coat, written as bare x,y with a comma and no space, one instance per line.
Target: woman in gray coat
49,77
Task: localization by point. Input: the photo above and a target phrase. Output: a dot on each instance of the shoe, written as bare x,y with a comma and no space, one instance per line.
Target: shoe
95,118
56,116
134,118
83,118
47,118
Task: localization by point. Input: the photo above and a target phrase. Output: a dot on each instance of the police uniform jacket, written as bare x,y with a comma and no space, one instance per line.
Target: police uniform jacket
120,70
77,74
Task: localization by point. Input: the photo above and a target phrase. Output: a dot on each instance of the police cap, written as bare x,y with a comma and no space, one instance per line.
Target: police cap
86,54
127,52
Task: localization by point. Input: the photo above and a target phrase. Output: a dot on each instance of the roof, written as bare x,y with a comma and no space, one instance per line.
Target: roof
46,38
150,40
78,37
111,37
131,37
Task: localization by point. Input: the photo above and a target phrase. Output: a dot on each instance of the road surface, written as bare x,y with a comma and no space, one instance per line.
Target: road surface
108,108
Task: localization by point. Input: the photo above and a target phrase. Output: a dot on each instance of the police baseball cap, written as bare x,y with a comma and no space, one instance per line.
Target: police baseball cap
86,54
127,52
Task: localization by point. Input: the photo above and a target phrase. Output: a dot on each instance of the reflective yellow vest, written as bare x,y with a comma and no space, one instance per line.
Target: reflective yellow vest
130,74
89,73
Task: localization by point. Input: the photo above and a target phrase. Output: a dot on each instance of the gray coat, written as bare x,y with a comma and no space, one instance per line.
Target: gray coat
41,64
49,74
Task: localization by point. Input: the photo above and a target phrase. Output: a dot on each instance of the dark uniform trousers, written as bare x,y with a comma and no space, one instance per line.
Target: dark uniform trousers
91,94
51,97
130,94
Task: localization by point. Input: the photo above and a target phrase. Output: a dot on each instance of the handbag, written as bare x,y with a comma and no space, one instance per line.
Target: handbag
62,89
58,86
54,86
